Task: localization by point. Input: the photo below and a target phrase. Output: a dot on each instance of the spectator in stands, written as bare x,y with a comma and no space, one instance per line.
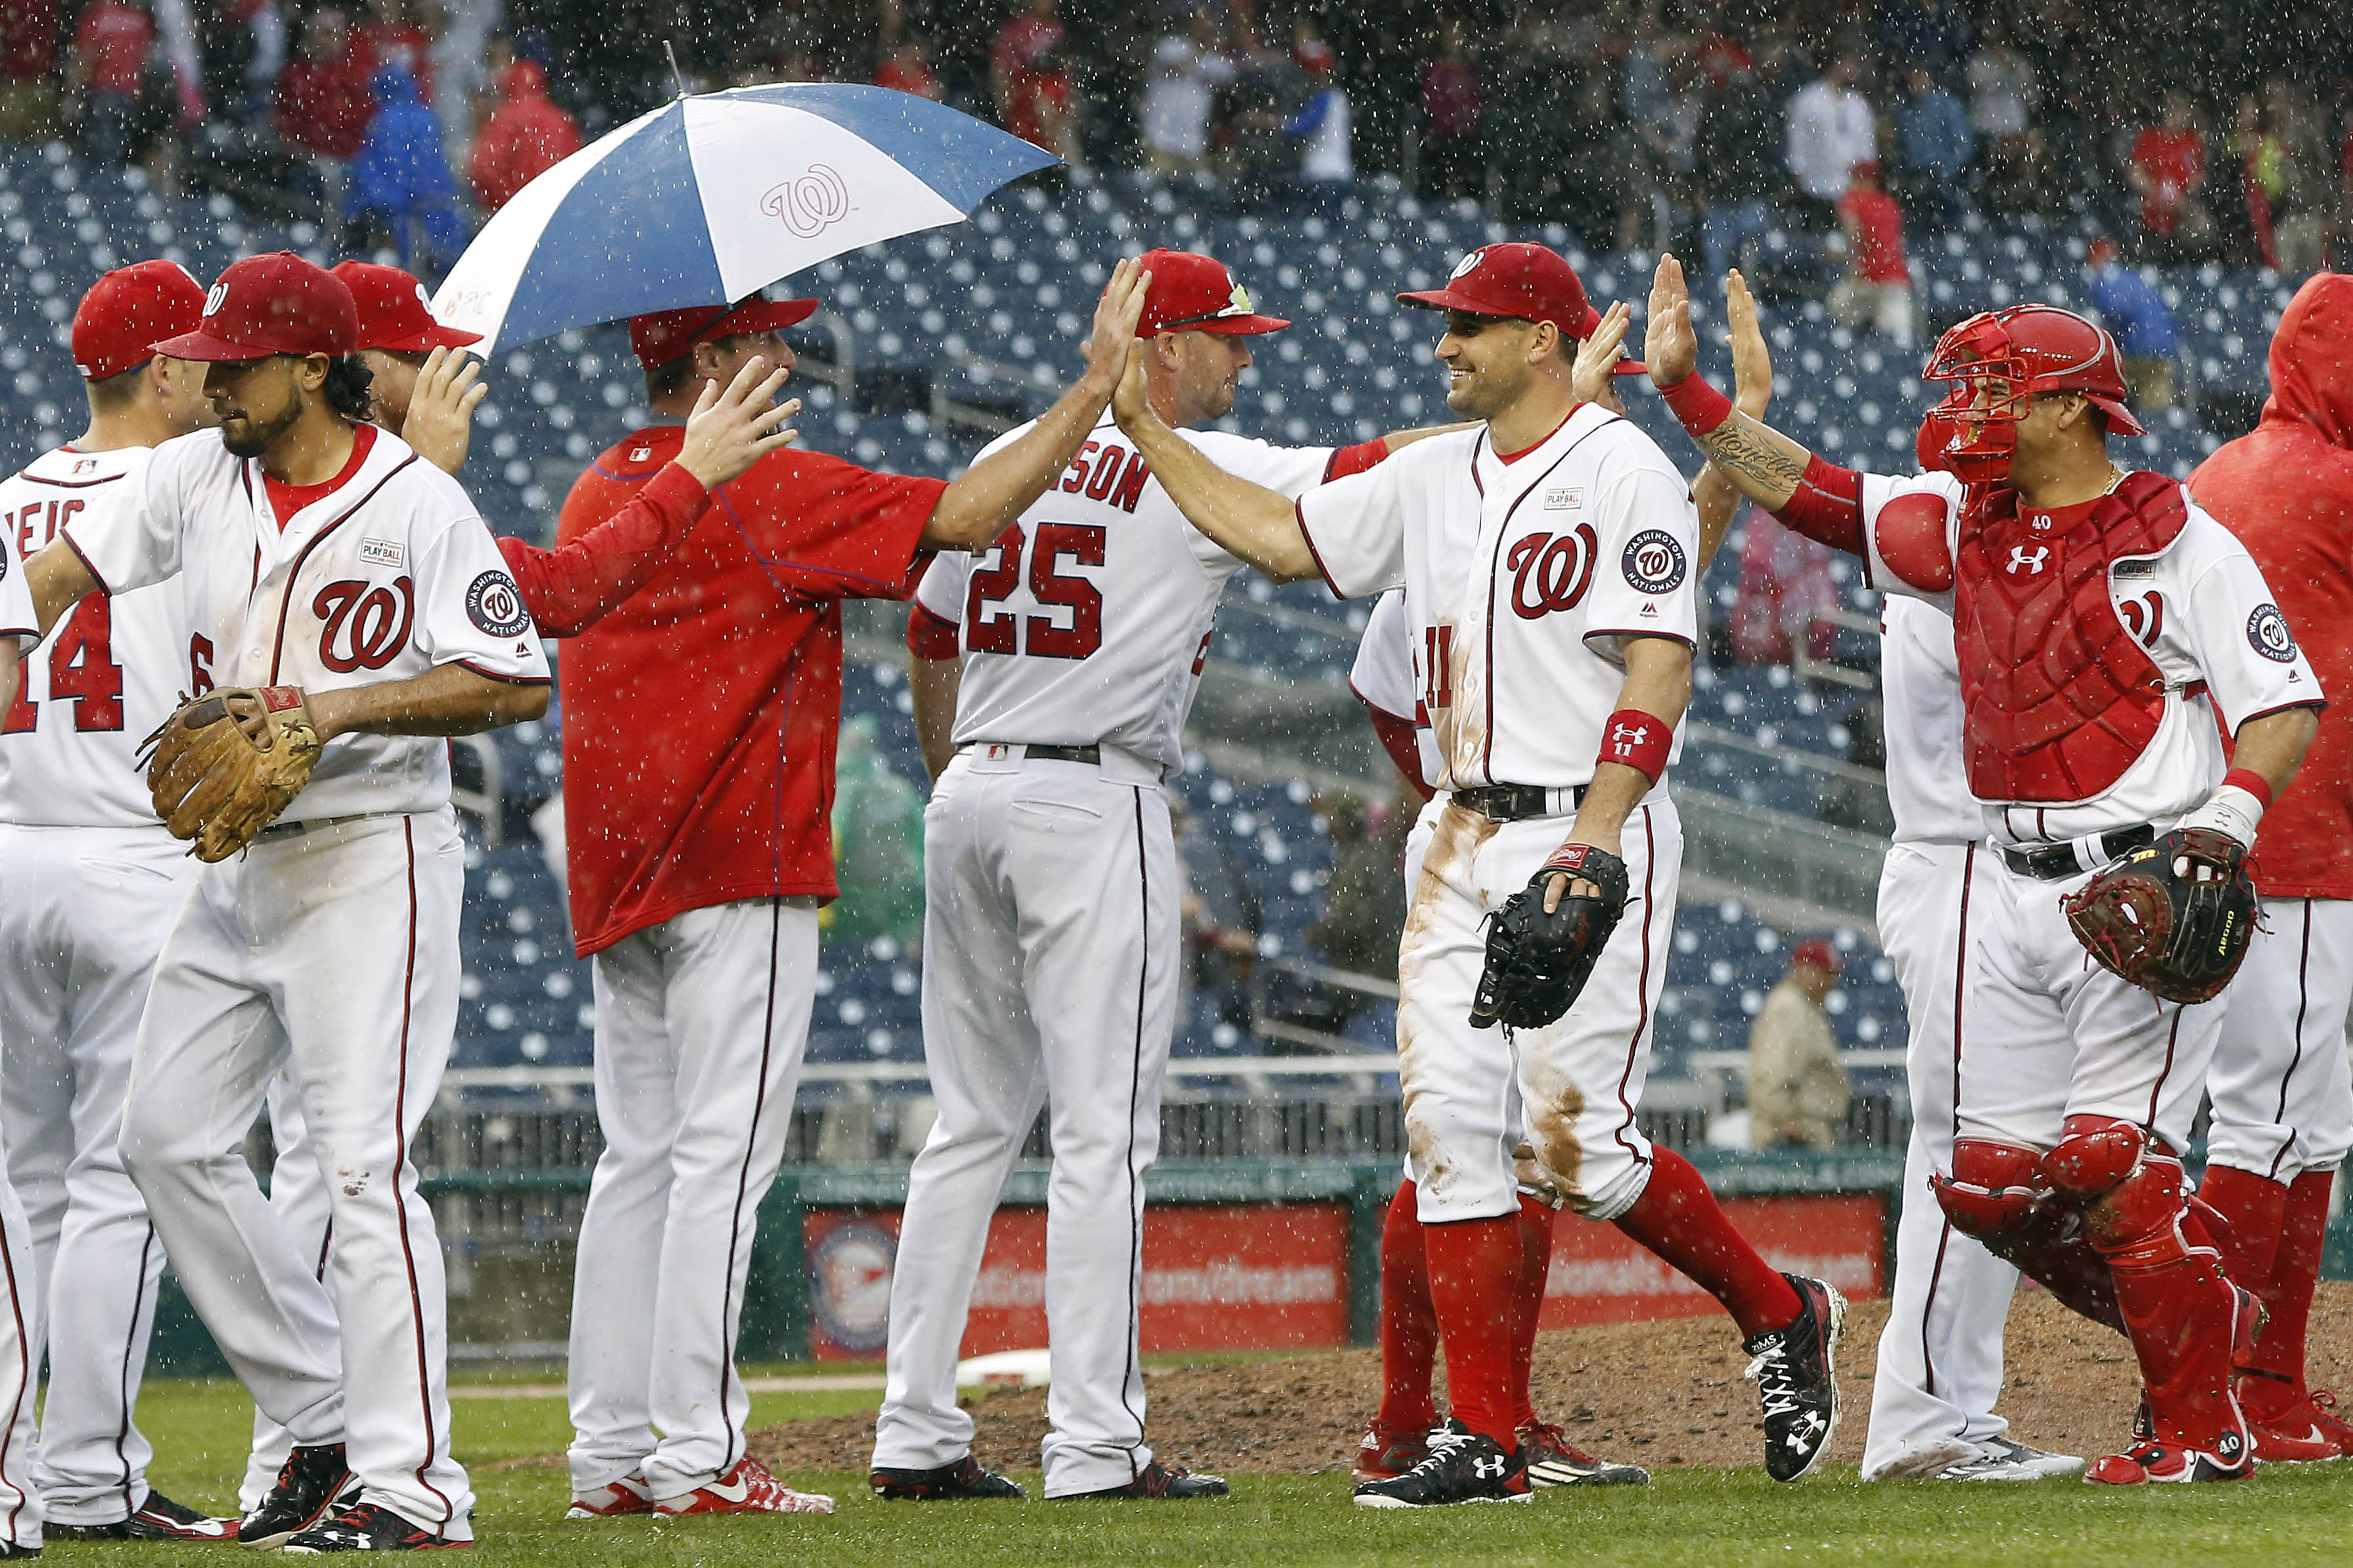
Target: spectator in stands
1268,90
1453,116
2168,164
1187,68
1876,294
1797,1091
1935,145
1327,160
2304,204
2002,90
1829,131
2136,315
242,44
1604,171
1022,53
524,137
390,34
28,69
106,76
1786,595
1733,162
1363,901
324,103
908,68
1935,33
401,183
1221,916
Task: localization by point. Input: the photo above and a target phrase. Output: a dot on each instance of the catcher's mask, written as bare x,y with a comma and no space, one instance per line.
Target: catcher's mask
1998,362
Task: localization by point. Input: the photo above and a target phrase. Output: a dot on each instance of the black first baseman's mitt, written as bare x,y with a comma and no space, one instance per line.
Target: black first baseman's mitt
2173,917
1536,962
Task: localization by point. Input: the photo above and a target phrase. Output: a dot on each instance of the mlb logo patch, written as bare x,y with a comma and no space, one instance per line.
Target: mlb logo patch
1564,498
641,454
86,465
383,553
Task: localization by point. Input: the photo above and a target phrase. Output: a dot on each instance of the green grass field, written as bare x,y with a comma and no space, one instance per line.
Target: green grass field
1688,1517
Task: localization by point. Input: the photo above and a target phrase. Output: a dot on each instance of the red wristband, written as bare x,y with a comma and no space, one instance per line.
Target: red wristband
1699,405
1639,740
2254,782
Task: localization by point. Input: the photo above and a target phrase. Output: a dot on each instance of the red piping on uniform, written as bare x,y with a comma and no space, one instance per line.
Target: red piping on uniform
122,1380
1299,512
2303,1004
743,1182
1960,990
94,576
1643,1019
24,1374
508,679
32,478
286,595
2157,1088
1134,1093
400,1156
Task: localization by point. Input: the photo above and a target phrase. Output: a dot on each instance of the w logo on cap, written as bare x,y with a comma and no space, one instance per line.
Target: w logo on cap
215,299
1467,264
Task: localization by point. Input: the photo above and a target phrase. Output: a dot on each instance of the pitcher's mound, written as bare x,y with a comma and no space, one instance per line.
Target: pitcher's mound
1650,1393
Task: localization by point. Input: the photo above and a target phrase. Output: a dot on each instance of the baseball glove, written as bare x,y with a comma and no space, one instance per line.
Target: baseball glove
1536,962
215,785
2173,917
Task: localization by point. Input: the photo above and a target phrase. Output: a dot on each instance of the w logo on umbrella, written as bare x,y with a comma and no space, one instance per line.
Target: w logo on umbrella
809,203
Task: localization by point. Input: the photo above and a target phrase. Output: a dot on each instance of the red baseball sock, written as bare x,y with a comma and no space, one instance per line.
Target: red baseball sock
1474,1268
1409,1322
2287,1297
2253,1205
1678,1219
1528,1300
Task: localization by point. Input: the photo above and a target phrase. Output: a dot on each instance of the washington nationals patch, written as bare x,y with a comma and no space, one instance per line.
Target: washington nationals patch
2268,633
495,604
1654,561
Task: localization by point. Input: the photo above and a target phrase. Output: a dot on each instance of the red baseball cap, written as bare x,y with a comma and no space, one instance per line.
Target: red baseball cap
1818,953
668,336
1193,293
125,312
1523,282
394,311
265,305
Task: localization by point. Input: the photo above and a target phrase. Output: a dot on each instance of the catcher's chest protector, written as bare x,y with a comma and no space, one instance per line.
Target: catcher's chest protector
2061,699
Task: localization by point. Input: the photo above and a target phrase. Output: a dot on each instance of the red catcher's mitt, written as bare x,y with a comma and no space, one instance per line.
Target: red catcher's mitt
2173,917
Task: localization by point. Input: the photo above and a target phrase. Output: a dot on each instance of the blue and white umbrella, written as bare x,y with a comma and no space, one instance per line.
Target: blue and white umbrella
711,198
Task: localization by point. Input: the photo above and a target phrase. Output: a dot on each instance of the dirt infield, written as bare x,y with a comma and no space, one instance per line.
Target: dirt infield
1652,1393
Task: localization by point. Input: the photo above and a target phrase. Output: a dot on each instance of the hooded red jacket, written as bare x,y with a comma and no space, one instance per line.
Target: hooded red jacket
526,136
2285,489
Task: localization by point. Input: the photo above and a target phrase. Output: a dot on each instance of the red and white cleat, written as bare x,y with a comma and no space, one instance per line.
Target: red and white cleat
2294,1438
628,1495
2148,1462
746,1489
1384,1455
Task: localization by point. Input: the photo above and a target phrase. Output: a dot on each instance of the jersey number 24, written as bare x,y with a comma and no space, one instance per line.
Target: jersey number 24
989,627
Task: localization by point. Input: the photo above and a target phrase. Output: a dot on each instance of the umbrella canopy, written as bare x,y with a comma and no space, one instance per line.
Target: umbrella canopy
711,198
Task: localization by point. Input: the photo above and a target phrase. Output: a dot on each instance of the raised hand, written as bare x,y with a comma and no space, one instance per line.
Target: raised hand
441,422
731,430
1597,357
1669,346
1752,360
1116,314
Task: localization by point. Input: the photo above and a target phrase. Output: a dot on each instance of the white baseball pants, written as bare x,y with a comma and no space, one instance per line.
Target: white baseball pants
701,1025
1940,1356
83,912
2053,1035
20,1505
1050,946
1576,1081
2282,1095
298,1196
331,951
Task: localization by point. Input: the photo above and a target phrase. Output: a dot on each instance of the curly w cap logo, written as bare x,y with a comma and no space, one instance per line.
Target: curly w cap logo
1468,264
215,299
808,203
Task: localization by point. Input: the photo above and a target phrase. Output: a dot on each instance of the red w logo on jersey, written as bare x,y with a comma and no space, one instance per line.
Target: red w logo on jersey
365,625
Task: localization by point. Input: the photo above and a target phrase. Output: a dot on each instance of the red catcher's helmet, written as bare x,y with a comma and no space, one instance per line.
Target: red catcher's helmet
2035,349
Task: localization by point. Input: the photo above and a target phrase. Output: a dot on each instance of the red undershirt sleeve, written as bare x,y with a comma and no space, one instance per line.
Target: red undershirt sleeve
570,588
1397,740
1356,459
930,634
1827,507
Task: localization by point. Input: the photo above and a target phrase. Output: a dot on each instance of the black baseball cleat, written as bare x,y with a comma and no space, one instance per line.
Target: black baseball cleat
967,1478
1159,1481
157,1519
1462,1466
312,1483
367,1527
1554,1461
1796,1368
12,1548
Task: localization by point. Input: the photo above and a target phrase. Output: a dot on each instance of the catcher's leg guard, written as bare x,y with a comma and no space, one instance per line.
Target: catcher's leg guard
1997,1194
2186,1320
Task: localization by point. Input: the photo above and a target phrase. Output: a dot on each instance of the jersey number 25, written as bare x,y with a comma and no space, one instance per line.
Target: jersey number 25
989,627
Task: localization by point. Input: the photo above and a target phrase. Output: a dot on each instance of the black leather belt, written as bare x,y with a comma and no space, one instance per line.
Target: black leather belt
1046,754
2057,862
1517,803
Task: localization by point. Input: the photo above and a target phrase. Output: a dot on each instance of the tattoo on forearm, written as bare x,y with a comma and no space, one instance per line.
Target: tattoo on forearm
1741,450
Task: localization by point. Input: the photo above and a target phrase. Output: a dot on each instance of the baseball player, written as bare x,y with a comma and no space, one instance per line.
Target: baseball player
323,561
20,1300
1053,673
2282,1107
697,756
2101,621
1384,679
90,883
425,391
1546,559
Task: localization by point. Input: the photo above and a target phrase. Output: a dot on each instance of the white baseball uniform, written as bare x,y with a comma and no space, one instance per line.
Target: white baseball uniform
89,884
2062,1036
20,1298
1523,581
331,947
1940,1356
2280,1078
1052,934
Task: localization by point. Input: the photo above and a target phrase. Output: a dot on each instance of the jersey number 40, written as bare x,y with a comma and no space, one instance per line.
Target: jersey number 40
990,627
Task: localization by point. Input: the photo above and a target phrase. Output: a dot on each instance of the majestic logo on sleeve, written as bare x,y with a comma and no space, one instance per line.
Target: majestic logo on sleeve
2268,633
1654,561
494,605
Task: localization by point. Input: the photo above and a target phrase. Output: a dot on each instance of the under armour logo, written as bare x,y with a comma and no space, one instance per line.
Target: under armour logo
2019,559
1489,1469
1628,735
